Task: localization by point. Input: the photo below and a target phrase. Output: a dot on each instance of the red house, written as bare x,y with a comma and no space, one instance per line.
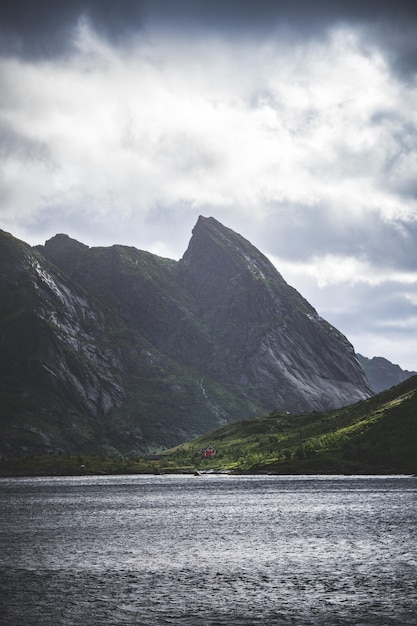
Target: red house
209,452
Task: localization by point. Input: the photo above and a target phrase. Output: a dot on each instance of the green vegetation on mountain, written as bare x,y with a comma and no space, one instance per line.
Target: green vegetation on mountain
377,435
374,436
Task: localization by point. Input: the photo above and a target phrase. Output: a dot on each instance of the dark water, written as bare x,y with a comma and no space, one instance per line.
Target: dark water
225,550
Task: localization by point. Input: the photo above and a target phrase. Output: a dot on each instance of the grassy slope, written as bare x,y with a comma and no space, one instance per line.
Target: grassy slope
375,436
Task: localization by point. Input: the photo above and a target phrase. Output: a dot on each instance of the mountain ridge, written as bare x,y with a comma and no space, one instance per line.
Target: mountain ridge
123,351
381,373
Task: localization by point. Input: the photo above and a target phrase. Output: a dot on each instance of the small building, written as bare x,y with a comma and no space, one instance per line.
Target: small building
208,453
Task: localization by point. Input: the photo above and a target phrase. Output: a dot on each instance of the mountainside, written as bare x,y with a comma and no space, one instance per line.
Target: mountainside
115,349
373,436
381,373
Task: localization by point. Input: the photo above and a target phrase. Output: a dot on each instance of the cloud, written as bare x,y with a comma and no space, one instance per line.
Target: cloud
299,137
228,136
122,122
46,28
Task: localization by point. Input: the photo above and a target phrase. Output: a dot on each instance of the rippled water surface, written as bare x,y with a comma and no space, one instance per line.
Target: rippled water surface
208,550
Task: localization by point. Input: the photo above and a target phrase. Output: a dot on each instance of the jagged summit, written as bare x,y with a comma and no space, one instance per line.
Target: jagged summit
129,351
227,252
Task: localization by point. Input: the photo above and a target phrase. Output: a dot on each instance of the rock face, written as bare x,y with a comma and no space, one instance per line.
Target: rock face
267,341
118,350
382,374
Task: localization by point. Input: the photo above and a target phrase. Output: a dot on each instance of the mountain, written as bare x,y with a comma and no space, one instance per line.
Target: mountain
381,373
116,350
373,436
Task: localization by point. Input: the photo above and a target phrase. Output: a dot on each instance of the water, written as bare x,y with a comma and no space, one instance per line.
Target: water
208,550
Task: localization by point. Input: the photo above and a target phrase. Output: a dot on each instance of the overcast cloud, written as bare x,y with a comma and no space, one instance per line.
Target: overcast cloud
293,123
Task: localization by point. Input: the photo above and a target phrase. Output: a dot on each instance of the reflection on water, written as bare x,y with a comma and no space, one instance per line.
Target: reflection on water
208,550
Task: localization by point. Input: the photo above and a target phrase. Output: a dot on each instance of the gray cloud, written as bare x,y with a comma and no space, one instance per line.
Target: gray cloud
317,231
247,14
17,145
45,28
389,25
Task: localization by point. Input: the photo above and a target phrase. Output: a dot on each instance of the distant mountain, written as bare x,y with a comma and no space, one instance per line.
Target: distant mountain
117,350
381,373
374,436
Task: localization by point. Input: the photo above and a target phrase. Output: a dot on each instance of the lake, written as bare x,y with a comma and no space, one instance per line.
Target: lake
208,550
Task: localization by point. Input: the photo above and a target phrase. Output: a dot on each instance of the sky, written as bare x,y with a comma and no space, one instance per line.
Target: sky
293,123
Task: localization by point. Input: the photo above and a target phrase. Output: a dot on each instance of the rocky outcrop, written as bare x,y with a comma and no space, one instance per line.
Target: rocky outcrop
118,350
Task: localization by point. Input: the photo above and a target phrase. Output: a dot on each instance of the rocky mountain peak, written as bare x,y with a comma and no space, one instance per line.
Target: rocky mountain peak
63,250
224,252
135,352
265,335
